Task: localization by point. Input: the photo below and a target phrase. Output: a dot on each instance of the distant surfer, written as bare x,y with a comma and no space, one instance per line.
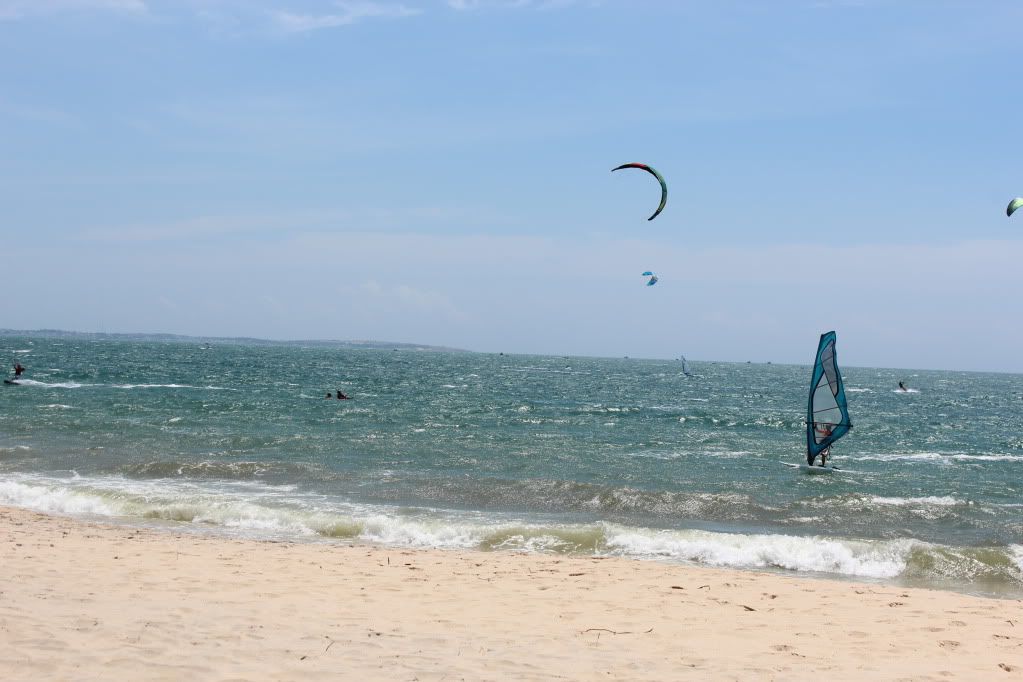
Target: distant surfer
18,370
902,387
341,396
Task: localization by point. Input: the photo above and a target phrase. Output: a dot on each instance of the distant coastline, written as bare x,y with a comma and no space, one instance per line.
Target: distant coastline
237,340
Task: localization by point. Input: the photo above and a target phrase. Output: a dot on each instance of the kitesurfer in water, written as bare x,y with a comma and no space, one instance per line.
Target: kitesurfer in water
902,387
18,370
341,396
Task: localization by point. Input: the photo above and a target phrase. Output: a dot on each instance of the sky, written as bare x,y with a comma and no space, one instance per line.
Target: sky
438,172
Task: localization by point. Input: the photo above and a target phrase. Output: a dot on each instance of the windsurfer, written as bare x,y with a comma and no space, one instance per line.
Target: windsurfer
902,387
824,430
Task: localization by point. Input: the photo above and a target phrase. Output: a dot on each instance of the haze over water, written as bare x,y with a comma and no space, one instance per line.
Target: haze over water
598,456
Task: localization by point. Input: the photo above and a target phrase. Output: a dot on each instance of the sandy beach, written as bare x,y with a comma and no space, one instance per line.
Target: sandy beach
89,601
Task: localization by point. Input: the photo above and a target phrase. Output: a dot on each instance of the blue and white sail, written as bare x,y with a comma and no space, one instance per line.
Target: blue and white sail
827,414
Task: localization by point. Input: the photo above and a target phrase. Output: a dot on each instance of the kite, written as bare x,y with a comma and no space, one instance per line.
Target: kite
651,171
1013,205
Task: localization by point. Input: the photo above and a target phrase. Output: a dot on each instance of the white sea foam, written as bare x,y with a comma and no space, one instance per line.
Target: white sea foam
51,499
879,559
858,390
946,501
908,390
1016,552
66,384
58,406
75,384
937,457
444,534
254,509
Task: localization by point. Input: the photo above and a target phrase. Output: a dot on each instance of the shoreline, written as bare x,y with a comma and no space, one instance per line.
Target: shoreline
83,599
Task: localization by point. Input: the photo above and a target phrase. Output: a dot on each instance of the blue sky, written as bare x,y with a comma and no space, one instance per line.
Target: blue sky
439,172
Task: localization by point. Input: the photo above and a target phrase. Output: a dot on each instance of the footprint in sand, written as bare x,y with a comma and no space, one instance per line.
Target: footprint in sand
1006,667
781,647
948,644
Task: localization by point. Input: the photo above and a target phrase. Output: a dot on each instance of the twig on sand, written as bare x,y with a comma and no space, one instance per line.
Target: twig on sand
616,632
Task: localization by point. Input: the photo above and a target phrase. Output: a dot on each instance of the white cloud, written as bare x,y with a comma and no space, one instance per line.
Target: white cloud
908,305
17,9
463,5
191,228
38,114
404,297
347,13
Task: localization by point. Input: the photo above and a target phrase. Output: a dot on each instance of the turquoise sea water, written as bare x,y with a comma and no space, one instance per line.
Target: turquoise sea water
547,454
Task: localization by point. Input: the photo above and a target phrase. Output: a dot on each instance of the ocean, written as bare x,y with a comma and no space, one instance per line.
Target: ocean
591,456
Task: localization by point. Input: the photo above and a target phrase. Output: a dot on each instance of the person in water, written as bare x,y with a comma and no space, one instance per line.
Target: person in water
341,396
902,387
823,431
18,370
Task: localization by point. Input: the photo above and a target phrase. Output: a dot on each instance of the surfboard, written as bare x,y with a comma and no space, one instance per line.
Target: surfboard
11,382
827,469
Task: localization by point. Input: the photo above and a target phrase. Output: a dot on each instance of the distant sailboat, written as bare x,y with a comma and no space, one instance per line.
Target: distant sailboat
685,366
827,414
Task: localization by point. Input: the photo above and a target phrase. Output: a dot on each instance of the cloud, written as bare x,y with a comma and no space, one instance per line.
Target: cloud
280,225
894,305
18,9
348,13
188,229
403,297
465,5
38,114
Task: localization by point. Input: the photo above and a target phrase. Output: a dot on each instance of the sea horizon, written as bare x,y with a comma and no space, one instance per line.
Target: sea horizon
376,344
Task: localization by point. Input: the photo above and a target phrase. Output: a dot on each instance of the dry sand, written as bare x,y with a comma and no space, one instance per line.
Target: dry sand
87,601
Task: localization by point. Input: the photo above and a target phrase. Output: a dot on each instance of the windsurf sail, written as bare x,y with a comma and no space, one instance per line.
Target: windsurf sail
827,415
685,367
